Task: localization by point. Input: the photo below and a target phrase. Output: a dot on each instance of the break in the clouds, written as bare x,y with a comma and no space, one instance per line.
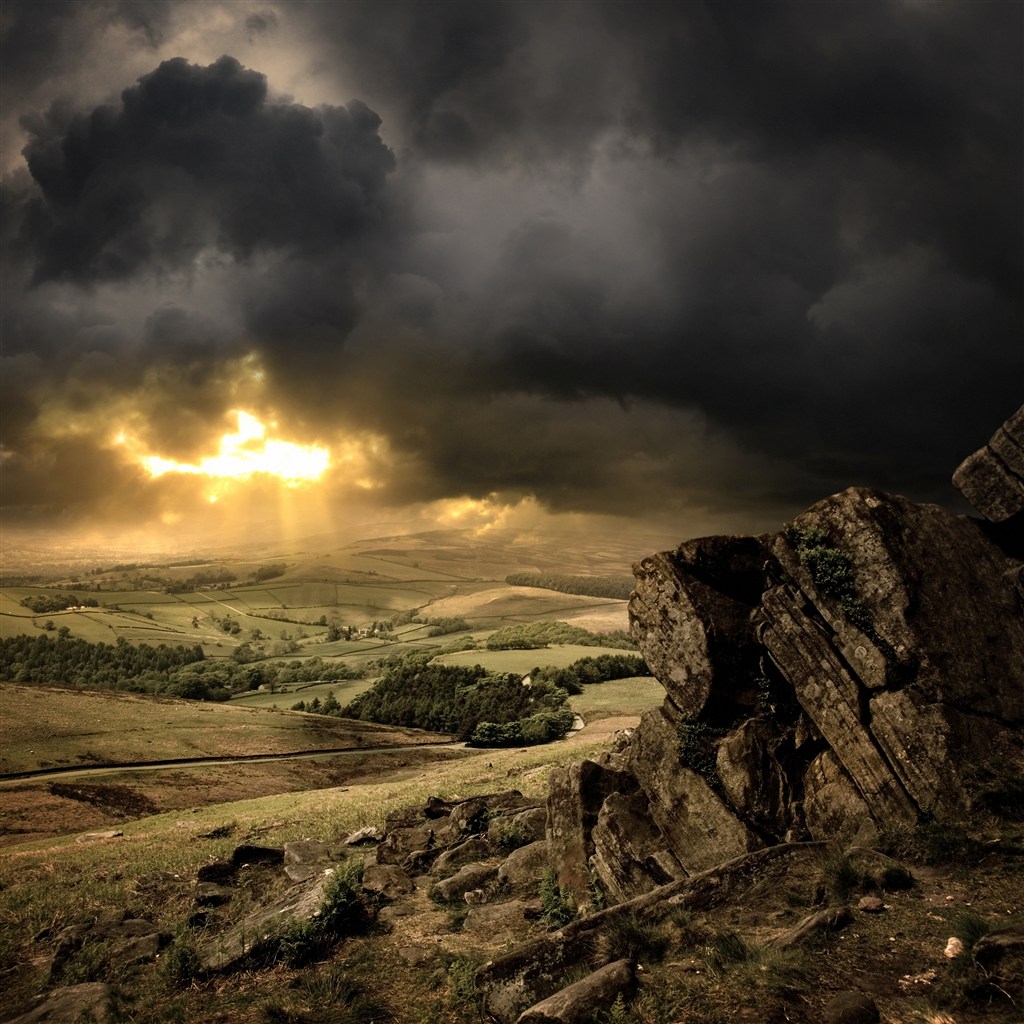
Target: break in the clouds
640,259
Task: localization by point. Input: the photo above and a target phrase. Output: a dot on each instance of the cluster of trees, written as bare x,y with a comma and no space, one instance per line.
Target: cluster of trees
269,572
43,604
76,663
328,706
528,636
443,625
212,578
619,587
586,671
471,703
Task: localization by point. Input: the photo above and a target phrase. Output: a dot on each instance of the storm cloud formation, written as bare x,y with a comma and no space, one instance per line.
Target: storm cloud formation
629,258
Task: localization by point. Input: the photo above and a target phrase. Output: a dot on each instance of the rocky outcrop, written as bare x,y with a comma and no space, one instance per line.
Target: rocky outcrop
992,478
861,668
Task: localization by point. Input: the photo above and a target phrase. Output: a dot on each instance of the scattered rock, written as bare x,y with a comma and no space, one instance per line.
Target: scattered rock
472,876
93,837
522,868
870,905
91,1001
306,851
416,954
579,1002
220,872
992,478
512,919
473,849
363,836
831,919
954,947
851,1008
300,903
389,880
210,894
249,854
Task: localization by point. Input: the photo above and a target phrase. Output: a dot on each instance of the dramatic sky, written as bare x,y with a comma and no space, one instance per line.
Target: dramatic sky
691,264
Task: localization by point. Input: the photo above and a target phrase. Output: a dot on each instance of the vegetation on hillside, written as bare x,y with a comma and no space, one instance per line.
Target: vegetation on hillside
472,703
619,587
531,635
175,671
42,604
592,670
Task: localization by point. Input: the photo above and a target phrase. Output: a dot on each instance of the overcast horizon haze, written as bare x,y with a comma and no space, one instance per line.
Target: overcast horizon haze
295,268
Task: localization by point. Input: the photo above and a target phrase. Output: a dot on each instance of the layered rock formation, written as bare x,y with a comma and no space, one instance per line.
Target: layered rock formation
861,669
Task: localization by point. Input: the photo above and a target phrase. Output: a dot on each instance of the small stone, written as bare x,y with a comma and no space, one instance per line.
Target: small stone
954,947
92,837
851,1008
871,905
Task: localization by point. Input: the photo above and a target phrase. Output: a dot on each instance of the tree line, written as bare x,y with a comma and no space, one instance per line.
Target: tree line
172,671
531,635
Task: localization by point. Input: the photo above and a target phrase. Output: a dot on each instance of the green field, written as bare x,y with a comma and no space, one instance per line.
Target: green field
617,698
344,690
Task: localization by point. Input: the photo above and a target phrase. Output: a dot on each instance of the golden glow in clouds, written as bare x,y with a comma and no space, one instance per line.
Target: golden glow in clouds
247,453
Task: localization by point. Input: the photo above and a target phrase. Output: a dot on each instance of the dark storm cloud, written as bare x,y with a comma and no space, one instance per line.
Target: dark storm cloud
194,157
628,253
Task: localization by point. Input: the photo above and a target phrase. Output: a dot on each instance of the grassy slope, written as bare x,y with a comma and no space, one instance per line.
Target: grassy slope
44,727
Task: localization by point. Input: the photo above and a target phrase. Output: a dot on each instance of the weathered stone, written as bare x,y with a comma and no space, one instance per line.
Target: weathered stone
1001,953
91,1001
388,880
533,971
306,851
298,904
631,854
752,778
511,919
472,876
701,830
575,796
870,905
304,872
210,894
831,919
368,834
399,843
249,854
473,849
524,826
523,868
832,804
579,1002
220,872
992,478
95,837
690,617
851,1008
793,636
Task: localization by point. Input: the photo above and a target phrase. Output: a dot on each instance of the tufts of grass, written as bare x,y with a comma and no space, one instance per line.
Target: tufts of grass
329,996
726,949
841,877
967,980
556,902
631,937
342,913
180,963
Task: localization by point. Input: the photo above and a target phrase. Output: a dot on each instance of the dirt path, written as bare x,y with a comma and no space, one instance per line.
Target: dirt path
74,772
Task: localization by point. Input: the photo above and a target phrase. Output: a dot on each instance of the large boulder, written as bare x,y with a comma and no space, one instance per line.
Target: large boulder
992,478
861,668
